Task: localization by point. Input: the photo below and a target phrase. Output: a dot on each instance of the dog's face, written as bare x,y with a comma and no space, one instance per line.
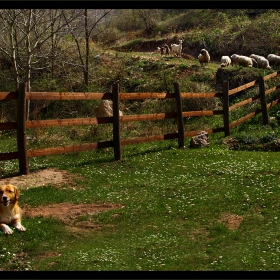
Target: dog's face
8,194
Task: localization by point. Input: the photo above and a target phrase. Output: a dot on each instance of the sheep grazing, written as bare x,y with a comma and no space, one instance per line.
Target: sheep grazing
263,63
177,49
243,60
204,57
225,61
234,59
273,59
247,61
261,60
255,63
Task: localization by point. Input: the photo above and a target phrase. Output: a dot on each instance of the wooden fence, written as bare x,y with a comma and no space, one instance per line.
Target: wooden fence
21,124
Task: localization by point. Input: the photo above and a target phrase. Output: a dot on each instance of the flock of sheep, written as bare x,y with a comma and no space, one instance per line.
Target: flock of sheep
253,60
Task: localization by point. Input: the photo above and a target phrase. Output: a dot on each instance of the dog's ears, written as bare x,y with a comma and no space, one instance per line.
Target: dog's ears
17,193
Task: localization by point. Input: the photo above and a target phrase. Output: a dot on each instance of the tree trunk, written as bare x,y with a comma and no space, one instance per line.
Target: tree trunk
86,70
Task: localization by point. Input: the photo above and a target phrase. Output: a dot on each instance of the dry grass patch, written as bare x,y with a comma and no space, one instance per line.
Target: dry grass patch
232,221
40,178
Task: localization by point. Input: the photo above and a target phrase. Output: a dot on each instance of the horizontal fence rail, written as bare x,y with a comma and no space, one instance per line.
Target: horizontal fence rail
22,124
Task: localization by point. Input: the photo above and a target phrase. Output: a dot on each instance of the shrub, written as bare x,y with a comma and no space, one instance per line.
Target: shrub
109,36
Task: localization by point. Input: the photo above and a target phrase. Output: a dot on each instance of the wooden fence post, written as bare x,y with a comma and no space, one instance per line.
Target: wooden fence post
21,130
116,122
226,107
181,138
263,100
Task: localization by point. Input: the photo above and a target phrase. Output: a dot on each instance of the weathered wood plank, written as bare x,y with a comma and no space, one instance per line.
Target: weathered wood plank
8,95
68,149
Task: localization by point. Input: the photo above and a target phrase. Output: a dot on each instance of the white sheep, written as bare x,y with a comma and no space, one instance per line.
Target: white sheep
247,61
274,60
256,57
225,61
261,60
177,49
263,63
234,59
244,61
203,57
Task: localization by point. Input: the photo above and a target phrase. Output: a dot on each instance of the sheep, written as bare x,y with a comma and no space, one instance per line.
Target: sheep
256,57
234,59
164,50
255,63
203,57
261,60
167,49
225,61
263,63
274,60
177,49
244,61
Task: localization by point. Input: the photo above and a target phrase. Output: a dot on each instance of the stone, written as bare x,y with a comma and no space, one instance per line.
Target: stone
105,109
200,140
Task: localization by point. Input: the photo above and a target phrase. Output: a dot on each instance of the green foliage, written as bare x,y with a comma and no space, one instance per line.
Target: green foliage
132,44
109,37
268,138
46,83
246,138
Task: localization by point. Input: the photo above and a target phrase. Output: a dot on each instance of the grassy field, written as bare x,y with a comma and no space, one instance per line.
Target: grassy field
181,209
209,209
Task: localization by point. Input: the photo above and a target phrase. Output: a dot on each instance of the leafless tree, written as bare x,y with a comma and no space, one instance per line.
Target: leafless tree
28,35
92,19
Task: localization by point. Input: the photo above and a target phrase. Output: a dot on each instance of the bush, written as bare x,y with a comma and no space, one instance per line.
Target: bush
109,37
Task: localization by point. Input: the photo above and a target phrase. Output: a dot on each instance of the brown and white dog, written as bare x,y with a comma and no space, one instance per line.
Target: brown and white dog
10,212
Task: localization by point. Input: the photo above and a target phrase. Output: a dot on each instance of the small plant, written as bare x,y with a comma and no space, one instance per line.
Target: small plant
247,139
267,138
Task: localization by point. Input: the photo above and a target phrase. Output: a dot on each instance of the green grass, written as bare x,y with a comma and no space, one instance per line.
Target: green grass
173,200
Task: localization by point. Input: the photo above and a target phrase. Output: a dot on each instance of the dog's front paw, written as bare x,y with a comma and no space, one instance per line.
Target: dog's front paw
20,227
6,229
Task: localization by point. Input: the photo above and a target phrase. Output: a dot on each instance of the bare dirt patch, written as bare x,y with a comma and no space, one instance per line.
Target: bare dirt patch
68,213
232,221
40,178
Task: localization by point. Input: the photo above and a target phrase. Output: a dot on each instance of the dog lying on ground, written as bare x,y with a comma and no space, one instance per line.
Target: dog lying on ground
10,212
